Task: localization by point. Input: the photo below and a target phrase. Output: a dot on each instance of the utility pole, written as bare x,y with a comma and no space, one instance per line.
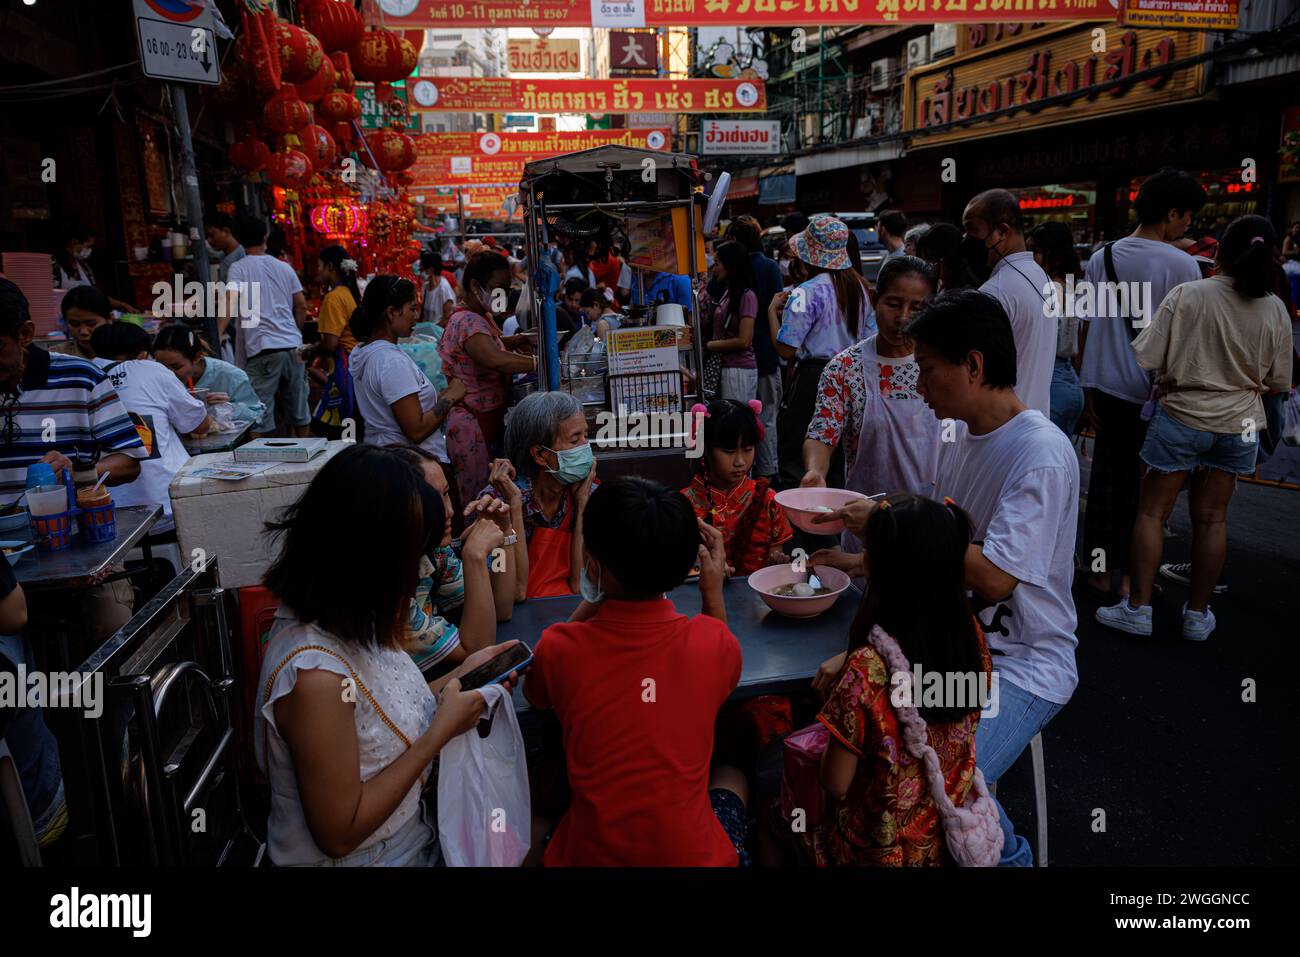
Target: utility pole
194,202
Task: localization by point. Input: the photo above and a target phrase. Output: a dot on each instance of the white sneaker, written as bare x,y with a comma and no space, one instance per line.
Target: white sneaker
1198,626
1124,617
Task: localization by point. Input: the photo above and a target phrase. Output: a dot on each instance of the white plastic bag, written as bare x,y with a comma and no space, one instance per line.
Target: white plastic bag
484,810
1291,419
223,417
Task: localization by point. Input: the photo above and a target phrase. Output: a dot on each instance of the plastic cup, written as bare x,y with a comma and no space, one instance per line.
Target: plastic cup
40,473
47,500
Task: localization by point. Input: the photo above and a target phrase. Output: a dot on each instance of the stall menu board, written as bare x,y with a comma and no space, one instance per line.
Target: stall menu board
633,351
715,13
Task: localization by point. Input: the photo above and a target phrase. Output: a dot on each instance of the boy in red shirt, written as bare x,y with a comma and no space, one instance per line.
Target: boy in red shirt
637,687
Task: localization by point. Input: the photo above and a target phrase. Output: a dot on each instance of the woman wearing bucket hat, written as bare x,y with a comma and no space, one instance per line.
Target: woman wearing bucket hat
811,324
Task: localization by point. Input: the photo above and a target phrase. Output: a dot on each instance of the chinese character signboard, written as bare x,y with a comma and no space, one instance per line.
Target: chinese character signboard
544,56
715,13
633,54
943,100
501,95
735,137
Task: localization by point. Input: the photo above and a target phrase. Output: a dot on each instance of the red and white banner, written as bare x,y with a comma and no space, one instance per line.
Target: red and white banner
502,95
740,137
405,14
479,199
462,159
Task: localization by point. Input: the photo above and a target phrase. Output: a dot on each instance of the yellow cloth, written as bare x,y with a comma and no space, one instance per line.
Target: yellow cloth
335,311
1217,351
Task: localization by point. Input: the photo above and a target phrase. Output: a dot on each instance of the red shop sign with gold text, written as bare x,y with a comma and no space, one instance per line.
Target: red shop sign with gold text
500,95
1046,64
406,14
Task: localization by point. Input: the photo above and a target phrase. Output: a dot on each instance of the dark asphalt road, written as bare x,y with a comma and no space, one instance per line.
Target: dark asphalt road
1157,735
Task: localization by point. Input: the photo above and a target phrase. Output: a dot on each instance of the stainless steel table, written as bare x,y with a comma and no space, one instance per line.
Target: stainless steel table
77,565
218,442
780,655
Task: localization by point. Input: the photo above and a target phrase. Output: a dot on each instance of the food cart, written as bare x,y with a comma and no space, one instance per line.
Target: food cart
637,386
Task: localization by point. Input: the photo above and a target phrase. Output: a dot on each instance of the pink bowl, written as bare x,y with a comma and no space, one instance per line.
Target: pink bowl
765,579
802,505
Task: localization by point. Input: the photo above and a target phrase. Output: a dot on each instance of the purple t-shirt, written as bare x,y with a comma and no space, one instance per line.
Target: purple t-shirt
726,326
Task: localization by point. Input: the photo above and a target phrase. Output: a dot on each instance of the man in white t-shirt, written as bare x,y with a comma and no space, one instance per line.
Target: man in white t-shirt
271,309
995,241
1116,387
438,295
1017,476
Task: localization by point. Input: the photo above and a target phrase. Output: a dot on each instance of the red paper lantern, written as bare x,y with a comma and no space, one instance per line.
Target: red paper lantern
336,23
344,79
319,146
289,168
342,133
300,52
404,179
250,155
286,112
339,107
320,84
380,57
339,218
394,151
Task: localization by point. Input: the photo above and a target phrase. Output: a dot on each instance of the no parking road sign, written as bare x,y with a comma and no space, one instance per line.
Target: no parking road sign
177,40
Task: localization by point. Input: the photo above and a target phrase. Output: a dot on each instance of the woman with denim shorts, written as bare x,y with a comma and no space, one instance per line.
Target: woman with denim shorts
1216,346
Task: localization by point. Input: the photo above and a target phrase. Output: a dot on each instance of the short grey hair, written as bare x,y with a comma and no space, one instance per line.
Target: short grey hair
916,232
536,421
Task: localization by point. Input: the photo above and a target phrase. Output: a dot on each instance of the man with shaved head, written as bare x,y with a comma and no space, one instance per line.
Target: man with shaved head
994,248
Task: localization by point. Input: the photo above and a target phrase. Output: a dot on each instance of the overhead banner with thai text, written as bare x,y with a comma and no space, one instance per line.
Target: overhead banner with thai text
501,95
544,56
464,159
404,14
1185,14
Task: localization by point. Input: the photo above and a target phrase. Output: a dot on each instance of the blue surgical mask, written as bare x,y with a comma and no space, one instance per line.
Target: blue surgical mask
589,591
574,463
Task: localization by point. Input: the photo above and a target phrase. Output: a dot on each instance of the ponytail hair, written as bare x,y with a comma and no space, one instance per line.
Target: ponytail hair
181,338
1246,254
337,258
383,292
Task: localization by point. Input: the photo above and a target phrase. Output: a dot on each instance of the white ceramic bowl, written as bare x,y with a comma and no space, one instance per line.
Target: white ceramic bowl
765,579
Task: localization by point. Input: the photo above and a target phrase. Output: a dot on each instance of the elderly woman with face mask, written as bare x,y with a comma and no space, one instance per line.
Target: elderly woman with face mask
546,480
474,350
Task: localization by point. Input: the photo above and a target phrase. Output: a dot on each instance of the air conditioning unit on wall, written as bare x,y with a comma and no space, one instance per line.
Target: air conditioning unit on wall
918,52
883,73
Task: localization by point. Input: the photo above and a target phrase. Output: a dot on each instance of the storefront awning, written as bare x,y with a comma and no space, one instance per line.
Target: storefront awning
744,185
851,156
776,185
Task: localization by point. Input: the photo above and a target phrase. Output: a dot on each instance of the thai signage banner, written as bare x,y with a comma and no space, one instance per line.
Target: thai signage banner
1188,14
544,56
406,14
736,137
943,101
501,95
454,159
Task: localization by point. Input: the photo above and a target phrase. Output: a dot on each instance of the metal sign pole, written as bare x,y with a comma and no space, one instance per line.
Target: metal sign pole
194,201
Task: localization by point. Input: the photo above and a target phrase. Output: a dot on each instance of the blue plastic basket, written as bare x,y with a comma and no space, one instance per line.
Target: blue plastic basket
98,524
52,533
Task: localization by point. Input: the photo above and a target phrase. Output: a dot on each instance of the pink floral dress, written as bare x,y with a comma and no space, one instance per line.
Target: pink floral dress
476,423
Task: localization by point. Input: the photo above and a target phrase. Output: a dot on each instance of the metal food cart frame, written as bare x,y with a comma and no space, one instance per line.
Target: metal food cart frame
610,160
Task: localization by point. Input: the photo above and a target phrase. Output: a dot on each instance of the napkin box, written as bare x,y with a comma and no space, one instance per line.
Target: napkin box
280,450
228,519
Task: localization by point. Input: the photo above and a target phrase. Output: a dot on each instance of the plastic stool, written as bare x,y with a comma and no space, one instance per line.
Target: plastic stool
1040,795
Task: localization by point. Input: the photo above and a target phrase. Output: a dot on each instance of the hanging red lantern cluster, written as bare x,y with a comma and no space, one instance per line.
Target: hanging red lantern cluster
319,147
250,155
381,56
339,219
320,84
286,112
300,52
344,78
336,23
394,150
289,168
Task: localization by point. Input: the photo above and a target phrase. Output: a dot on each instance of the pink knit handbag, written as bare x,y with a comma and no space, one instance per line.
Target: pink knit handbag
972,831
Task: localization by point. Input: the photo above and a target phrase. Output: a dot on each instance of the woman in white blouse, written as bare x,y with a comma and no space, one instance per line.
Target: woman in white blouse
346,727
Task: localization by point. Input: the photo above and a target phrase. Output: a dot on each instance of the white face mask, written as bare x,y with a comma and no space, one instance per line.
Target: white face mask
84,253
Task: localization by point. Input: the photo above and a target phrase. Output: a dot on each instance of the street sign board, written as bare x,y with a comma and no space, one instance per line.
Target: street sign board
177,41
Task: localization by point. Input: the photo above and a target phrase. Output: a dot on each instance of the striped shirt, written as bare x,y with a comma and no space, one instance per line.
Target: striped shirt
64,404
